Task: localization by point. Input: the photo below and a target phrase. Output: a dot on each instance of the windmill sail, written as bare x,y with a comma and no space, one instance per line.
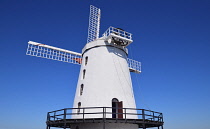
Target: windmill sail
94,23
54,53
134,66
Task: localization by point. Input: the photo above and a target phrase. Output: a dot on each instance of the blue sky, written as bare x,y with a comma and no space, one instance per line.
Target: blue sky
171,39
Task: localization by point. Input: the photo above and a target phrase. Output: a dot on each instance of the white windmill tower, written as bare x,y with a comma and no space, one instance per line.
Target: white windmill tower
104,97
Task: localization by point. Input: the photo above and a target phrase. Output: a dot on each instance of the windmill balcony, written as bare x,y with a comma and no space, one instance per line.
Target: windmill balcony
119,36
64,118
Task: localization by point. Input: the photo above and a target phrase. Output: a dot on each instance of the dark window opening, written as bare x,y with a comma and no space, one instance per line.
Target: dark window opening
86,60
84,71
79,106
81,89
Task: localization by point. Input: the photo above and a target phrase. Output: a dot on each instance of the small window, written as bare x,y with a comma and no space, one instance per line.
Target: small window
86,60
84,71
81,89
79,106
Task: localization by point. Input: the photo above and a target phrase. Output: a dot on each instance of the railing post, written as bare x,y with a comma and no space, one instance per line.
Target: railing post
153,116
103,113
104,117
161,117
83,114
64,118
143,115
64,114
54,115
48,119
48,116
125,114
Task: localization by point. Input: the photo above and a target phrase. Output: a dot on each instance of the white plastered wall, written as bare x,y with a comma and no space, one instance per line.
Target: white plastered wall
107,76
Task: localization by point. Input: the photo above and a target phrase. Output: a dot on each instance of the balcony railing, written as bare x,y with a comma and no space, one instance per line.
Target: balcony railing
104,113
117,31
119,36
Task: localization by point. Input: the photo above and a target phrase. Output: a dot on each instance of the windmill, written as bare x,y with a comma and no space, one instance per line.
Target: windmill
104,96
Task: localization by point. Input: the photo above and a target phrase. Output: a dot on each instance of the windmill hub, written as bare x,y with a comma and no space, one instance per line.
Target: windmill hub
102,43
119,42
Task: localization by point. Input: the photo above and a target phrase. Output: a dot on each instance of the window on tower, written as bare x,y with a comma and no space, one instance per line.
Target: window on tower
84,71
81,89
79,106
86,60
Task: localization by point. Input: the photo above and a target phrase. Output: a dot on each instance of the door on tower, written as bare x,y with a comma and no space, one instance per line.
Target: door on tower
117,111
